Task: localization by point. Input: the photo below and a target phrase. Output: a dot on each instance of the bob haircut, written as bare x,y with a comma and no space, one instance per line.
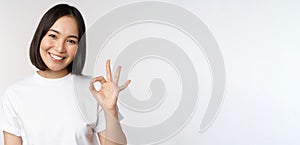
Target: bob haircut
49,18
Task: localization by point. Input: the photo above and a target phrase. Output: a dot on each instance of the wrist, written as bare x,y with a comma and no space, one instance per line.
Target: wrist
112,112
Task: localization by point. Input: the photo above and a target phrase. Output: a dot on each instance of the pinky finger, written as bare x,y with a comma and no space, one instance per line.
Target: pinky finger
124,85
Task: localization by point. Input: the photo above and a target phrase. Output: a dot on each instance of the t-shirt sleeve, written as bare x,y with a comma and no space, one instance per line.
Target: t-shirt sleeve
9,121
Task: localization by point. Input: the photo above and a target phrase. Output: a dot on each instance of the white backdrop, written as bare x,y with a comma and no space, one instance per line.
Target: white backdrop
259,40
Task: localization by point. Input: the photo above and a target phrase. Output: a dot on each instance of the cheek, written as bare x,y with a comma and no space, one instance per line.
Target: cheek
72,51
45,44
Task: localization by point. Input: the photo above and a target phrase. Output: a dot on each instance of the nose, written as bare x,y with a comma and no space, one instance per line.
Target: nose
60,46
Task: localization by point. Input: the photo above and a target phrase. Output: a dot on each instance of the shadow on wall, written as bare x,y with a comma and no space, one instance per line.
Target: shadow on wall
2,139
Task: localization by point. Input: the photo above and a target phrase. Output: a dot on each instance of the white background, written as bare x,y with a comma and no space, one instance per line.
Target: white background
259,40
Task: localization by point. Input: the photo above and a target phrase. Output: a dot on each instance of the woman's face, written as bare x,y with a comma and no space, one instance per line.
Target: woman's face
59,45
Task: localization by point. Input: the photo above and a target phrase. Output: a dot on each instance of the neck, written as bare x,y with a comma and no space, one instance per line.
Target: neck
53,74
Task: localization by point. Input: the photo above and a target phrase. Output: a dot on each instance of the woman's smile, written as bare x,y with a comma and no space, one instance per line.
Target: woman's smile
55,57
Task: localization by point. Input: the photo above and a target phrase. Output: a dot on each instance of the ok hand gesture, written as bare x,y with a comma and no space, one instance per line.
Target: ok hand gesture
107,96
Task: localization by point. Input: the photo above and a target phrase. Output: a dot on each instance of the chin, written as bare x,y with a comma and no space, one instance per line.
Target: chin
56,69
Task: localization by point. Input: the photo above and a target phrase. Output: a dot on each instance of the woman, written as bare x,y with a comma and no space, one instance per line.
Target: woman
41,108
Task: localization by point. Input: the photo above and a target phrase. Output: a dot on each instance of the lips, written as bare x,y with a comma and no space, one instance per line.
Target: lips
56,57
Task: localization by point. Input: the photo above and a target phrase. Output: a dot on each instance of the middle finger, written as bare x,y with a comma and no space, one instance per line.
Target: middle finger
108,71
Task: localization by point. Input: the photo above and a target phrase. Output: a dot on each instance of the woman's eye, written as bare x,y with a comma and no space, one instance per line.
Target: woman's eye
52,35
72,41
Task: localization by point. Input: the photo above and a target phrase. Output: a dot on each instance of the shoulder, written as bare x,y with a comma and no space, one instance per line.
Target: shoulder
81,79
22,82
25,82
18,85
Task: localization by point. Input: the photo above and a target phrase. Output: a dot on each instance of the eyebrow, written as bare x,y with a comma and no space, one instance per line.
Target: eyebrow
72,36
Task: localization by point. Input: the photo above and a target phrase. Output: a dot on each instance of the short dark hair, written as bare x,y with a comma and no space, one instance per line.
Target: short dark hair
49,18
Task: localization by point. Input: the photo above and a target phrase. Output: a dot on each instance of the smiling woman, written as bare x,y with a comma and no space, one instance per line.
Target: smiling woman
41,109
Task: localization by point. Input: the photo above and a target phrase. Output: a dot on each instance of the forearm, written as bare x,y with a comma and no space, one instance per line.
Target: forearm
113,134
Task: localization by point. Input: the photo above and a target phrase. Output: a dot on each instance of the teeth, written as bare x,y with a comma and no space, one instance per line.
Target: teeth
56,57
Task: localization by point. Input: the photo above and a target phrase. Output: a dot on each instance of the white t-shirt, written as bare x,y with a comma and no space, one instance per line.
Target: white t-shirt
52,111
